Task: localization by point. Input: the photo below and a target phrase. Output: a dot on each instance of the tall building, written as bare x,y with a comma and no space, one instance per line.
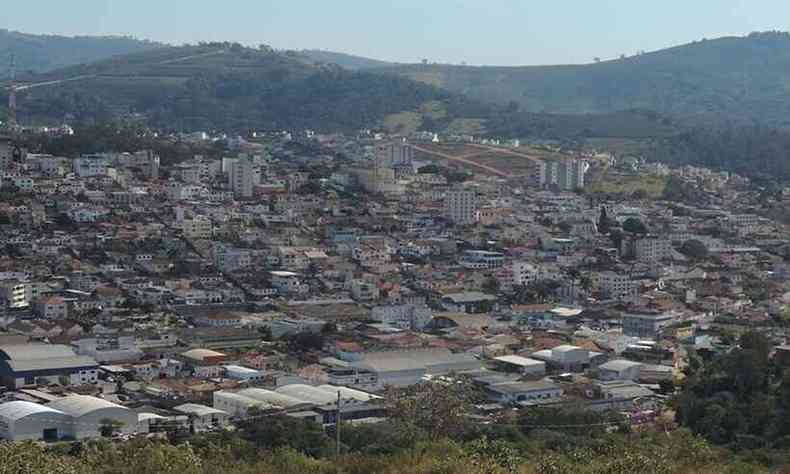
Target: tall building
6,152
567,175
460,206
394,154
240,178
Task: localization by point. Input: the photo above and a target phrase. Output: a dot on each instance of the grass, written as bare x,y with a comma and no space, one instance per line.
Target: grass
653,186
467,126
403,122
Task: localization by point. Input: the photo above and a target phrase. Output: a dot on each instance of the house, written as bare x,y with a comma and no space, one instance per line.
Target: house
51,307
521,365
567,358
646,325
363,290
204,363
218,320
620,369
469,302
203,418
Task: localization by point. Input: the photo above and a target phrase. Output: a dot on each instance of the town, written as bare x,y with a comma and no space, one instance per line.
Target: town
312,276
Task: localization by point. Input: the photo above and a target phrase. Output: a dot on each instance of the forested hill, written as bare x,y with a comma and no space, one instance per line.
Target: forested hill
39,53
228,87
731,79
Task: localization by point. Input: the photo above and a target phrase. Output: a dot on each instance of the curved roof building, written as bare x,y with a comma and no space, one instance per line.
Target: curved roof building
21,420
90,414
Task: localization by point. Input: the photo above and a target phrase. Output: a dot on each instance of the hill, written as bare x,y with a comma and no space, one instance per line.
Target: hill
39,53
224,86
348,61
731,79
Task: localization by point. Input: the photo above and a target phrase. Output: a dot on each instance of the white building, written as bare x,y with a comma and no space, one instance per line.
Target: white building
89,415
199,227
236,404
652,249
482,260
404,316
22,420
203,418
523,365
618,286
523,392
245,374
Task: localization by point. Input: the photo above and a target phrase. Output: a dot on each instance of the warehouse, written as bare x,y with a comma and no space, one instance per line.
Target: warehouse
309,393
29,364
21,420
90,415
237,405
408,367
274,398
244,374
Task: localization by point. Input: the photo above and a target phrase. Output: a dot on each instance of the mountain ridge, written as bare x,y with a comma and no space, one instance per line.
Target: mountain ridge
35,53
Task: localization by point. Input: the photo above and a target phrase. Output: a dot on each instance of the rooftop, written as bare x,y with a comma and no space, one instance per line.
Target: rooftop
519,387
17,410
520,361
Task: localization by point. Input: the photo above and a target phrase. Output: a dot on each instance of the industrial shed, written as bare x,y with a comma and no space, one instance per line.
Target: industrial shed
21,420
28,364
237,405
278,399
89,414
309,393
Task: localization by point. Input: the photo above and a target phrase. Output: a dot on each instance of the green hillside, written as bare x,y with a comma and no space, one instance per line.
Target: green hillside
39,53
732,79
222,86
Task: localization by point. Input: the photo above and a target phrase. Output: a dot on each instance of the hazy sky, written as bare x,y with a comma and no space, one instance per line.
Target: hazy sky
475,31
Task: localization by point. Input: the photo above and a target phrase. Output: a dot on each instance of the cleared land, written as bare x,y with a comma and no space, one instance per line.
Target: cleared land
506,162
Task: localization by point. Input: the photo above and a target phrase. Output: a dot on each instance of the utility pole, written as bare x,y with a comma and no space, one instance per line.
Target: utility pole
337,427
12,95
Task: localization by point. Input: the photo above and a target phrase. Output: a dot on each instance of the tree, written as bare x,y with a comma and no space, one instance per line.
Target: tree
603,222
616,237
274,432
109,427
305,341
694,249
634,226
437,408
329,328
565,227
491,285
585,282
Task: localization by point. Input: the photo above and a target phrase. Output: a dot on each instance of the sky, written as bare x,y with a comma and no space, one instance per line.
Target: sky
480,32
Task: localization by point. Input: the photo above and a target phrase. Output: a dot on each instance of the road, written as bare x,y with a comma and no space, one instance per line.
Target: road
506,151
463,159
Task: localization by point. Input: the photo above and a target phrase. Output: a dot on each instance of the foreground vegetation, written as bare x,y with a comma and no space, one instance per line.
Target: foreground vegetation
678,452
